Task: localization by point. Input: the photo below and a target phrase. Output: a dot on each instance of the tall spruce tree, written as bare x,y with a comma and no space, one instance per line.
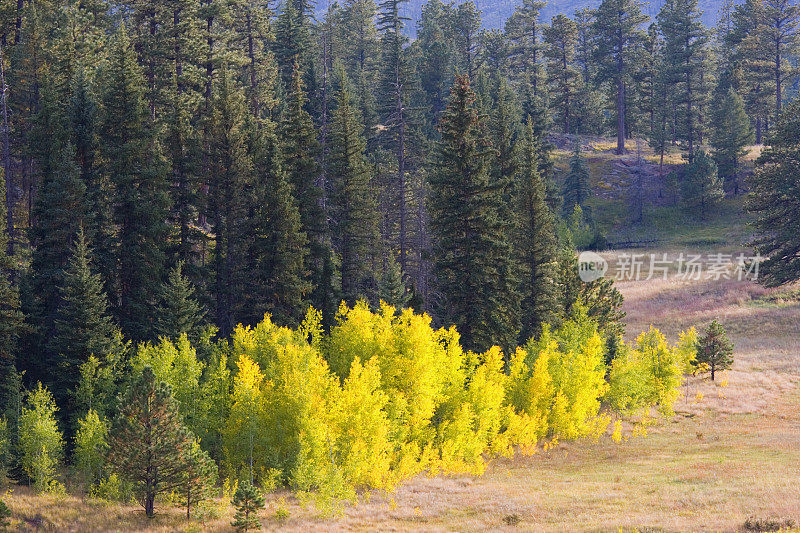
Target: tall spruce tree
134,163
468,236
301,152
577,189
59,211
731,133
82,327
775,201
354,209
537,245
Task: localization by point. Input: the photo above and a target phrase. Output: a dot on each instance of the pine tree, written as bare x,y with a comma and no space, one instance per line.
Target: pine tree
134,163
354,210
524,33
701,186
537,245
468,239
58,213
178,310
684,49
99,224
715,349
731,133
149,445
248,501
782,35
200,477
561,40
617,29
231,170
775,200
301,153
577,190
82,327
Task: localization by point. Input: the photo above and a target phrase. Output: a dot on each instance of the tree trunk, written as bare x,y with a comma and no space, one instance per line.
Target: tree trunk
9,182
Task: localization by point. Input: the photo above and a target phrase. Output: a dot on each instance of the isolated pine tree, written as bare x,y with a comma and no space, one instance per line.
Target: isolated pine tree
133,162
178,310
82,327
715,349
248,501
354,207
149,445
731,133
577,190
537,245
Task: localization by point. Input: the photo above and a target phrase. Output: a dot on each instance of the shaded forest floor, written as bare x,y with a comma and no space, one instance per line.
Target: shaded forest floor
731,451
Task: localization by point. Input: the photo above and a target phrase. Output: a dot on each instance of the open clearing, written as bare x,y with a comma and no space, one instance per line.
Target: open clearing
731,454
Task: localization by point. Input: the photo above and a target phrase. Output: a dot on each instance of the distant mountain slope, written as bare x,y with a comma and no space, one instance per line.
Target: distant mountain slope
495,12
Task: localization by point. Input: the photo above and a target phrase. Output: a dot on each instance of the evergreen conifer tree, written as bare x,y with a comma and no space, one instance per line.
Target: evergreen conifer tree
715,349
149,444
248,501
178,311
354,209
82,327
731,133
577,190
134,163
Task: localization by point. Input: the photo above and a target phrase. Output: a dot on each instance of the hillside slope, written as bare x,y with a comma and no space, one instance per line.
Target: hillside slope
495,12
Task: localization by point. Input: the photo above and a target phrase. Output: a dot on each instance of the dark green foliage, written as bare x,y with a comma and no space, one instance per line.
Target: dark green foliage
775,200
247,500
618,33
354,209
10,322
391,287
537,244
715,349
231,174
82,327
469,241
701,186
577,190
178,310
278,253
200,476
149,444
5,514
732,131
133,161
301,153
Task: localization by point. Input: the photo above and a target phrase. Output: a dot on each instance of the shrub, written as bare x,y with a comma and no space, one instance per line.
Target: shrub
112,489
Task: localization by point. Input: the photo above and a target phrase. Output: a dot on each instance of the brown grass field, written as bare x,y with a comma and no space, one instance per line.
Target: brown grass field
732,451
